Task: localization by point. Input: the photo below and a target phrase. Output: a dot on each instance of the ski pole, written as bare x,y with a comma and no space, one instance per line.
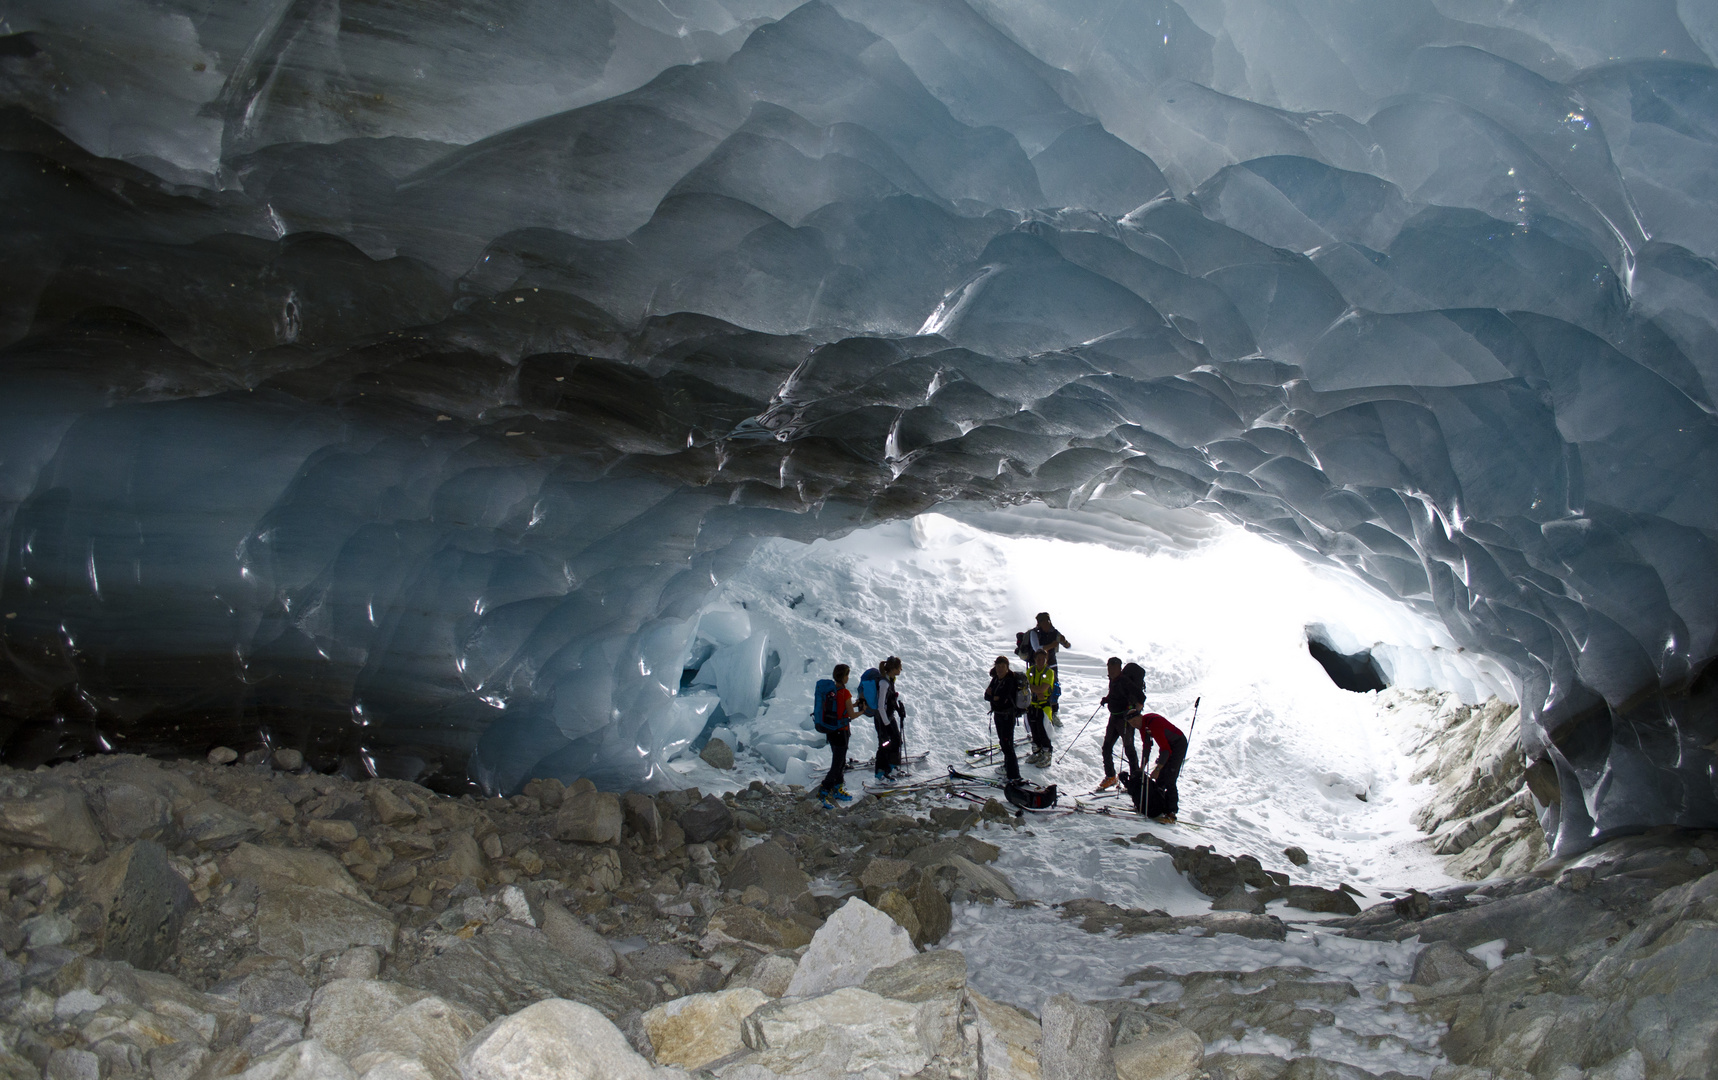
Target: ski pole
1192,722
1076,738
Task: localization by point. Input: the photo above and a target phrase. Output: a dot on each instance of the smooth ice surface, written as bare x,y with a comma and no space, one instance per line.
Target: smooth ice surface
399,385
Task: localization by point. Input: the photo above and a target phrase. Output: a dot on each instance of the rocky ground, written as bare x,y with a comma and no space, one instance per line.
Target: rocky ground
193,920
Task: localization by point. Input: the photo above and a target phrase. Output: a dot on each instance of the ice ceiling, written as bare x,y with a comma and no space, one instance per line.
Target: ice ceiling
397,379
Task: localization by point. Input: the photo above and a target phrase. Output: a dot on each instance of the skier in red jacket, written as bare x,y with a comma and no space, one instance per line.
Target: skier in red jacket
1156,796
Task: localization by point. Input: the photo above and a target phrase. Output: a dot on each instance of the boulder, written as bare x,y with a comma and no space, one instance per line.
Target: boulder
129,812
214,826
1313,898
358,962
298,922
548,792
849,1031
552,1040
1008,1040
390,808
938,973
706,820
1076,1041
464,858
1251,1066
344,1011
936,917
307,1060
502,970
279,991
287,759
857,939
223,755
1295,855
718,754
1155,1048
422,1039
882,873
332,830
980,881
573,939
771,974
590,817
54,819
1239,899
895,905
745,924
143,901
270,867
693,1031
1212,874
642,818
769,867
1440,960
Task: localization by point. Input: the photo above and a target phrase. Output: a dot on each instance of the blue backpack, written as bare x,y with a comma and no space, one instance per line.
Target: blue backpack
823,713
871,691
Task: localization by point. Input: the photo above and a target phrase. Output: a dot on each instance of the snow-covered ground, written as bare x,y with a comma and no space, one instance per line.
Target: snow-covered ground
1279,755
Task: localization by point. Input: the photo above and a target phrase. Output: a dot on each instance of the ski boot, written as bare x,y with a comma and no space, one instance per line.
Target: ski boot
1164,819
1109,782
825,800
841,794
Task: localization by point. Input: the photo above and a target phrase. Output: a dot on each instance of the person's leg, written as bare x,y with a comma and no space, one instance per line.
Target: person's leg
889,757
1111,734
1005,736
1169,774
837,774
1035,723
1127,745
880,763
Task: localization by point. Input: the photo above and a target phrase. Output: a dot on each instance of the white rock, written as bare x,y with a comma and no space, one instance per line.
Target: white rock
856,939
308,1060
553,1040
697,1029
295,922
360,962
520,907
1076,1041
1166,1051
1008,1040
773,974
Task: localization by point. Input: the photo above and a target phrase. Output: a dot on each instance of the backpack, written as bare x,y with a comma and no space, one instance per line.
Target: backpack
870,691
1023,645
1022,692
823,707
1031,796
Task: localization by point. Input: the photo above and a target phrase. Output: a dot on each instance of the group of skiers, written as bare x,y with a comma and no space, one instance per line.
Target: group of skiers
1034,694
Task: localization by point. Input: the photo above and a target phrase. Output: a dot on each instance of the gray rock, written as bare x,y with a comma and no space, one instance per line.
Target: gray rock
920,978
359,962
1076,1042
694,1031
143,902
464,858
771,974
54,819
1210,873
425,1037
1239,899
214,826
128,812
642,818
297,922
770,868
590,817
1245,1067
578,942
1314,1068
1313,898
1297,856
936,917
1008,1040
278,990
1156,1048
390,808
706,820
308,1060
72,1064
548,792
1439,961
552,1040
177,1061
288,760
223,755
856,940
271,1033
498,972
271,867
844,1033
718,754
344,1011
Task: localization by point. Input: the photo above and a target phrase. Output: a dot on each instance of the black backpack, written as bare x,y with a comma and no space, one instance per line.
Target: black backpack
1023,645
1031,796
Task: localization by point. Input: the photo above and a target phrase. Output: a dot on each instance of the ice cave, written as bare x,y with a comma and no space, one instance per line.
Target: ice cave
493,392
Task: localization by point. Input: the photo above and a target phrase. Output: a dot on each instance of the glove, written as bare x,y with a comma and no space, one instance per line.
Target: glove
1105,700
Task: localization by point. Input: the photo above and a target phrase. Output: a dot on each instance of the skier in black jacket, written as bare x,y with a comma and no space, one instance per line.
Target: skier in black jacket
1119,699
1006,695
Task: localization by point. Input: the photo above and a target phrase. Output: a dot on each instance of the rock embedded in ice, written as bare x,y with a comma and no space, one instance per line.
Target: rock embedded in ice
856,939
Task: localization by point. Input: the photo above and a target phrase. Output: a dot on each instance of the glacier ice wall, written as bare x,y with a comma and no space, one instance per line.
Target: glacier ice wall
398,382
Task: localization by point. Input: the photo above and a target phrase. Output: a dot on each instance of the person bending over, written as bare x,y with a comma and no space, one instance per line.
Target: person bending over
1118,700
1007,697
